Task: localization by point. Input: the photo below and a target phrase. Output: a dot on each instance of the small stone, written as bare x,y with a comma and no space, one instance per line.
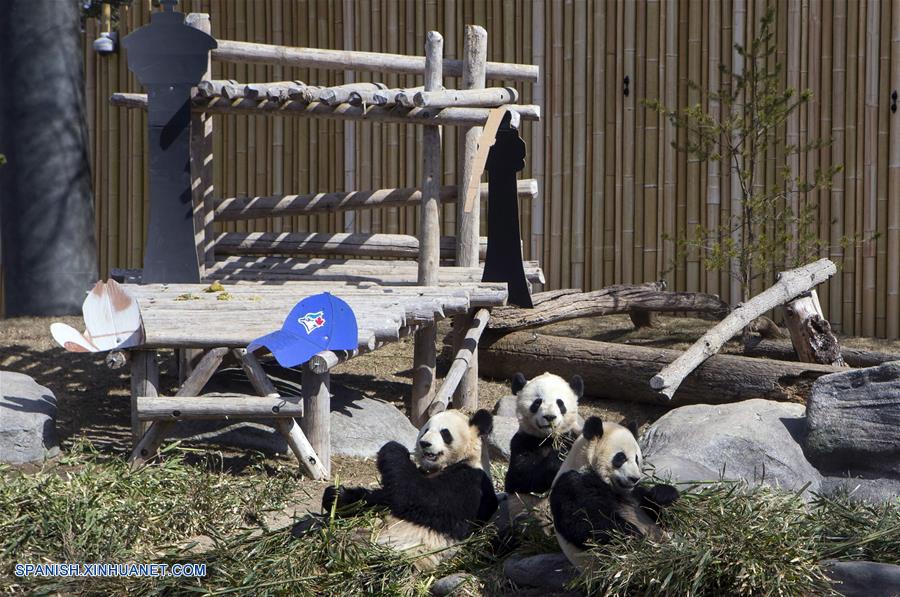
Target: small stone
27,420
547,571
754,440
504,430
863,579
449,584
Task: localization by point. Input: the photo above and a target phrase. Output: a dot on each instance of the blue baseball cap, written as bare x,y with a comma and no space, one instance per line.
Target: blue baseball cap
319,322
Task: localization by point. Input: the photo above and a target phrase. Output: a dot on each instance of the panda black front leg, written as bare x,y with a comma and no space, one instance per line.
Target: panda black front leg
342,497
656,497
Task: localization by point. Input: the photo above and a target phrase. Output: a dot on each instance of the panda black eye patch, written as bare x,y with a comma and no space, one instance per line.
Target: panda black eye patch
448,438
619,459
535,405
562,406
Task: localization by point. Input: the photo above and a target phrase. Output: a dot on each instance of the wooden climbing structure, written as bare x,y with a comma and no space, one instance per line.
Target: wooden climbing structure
397,285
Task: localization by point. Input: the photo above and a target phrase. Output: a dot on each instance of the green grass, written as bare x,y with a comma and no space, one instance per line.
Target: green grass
89,507
730,539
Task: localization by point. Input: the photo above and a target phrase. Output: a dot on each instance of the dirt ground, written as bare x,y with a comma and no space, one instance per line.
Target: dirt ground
94,400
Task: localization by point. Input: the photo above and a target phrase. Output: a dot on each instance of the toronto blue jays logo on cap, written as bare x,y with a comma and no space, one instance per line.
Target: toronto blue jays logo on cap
312,321
319,322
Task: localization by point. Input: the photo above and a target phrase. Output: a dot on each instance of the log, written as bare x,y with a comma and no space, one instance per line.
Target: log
202,179
276,90
380,97
245,208
469,98
303,109
782,351
341,243
553,306
218,406
790,284
316,423
811,334
466,355
340,94
425,340
240,51
618,371
216,87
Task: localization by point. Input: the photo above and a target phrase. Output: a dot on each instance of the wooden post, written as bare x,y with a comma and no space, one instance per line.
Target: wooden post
425,350
316,422
465,354
202,164
811,334
468,223
144,382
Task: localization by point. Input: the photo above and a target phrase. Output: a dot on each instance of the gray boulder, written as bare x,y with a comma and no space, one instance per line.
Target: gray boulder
863,579
449,585
506,407
546,571
853,420
27,420
864,490
754,440
504,429
259,435
360,426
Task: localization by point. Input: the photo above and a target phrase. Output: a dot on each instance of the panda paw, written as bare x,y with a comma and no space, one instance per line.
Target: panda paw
331,497
663,495
392,454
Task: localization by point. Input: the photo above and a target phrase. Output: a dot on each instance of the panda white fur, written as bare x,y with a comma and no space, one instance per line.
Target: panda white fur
596,491
547,409
437,504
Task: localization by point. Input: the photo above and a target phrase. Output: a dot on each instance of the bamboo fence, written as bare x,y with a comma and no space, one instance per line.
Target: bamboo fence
614,195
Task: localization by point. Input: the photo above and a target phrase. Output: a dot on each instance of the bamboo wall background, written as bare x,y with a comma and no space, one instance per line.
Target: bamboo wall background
614,194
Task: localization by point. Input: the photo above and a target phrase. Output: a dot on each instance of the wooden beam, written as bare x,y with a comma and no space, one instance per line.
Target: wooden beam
425,348
425,116
218,406
239,51
202,189
467,97
790,284
144,382
463,361
271,206
316,422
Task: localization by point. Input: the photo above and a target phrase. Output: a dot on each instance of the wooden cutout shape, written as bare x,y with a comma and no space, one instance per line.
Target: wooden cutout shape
503,262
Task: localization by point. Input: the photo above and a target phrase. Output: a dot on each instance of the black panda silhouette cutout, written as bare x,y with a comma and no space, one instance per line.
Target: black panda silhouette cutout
169,57
503,262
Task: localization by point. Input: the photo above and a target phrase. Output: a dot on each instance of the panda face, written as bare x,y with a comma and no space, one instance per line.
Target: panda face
450,437
613,453
547,404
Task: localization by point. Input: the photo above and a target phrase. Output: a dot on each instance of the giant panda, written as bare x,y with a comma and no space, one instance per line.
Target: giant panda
436,502
547,409
596,491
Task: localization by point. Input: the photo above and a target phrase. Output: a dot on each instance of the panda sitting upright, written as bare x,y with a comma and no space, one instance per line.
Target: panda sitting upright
547,409
596,491
437,504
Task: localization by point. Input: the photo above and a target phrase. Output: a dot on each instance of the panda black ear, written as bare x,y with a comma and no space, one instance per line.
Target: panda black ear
632,426
577,385
518,382
484,421
593,428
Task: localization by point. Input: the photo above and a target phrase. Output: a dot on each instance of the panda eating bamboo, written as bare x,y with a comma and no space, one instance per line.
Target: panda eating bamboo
435,502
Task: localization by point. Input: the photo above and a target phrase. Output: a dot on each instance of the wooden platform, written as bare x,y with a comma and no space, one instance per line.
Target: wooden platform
203,325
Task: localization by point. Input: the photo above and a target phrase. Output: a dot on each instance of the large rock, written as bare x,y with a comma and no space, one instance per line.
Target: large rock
506,407
853,420
504,430
546,571
754,440
863,579
27,420
864,490
360,426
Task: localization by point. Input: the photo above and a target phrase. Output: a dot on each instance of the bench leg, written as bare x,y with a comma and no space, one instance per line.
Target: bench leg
424,362
302,449
144,382
316,421
146,449
466,394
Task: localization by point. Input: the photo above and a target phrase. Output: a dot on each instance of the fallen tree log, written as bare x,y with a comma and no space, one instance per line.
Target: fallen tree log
619,371
784,351
790,284
561,305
